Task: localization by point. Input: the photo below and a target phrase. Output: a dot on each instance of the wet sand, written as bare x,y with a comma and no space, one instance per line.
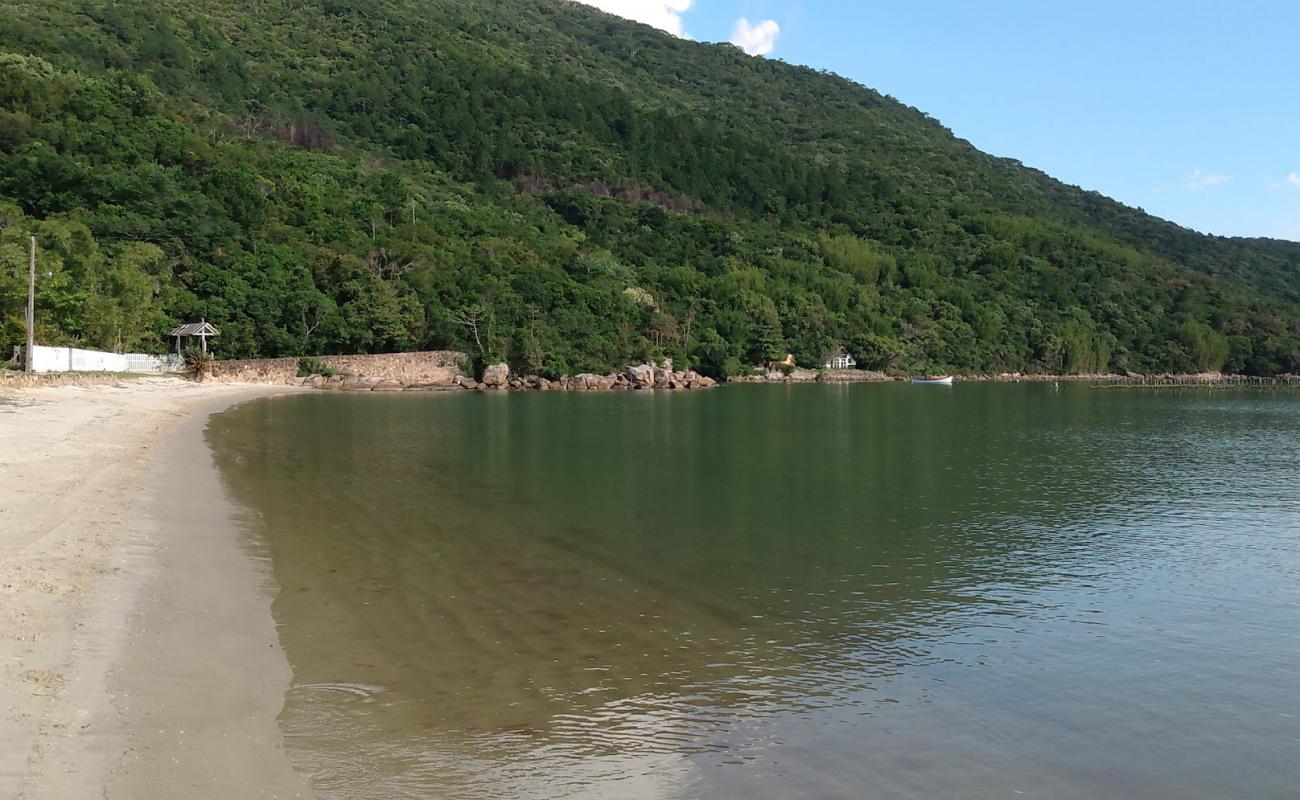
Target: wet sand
138,655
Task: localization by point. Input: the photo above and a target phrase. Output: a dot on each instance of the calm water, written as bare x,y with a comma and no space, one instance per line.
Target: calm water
767,592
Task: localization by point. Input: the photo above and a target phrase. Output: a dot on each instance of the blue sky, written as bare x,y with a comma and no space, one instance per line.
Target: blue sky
1190,110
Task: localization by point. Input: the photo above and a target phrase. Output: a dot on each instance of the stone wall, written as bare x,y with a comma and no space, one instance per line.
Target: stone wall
436,367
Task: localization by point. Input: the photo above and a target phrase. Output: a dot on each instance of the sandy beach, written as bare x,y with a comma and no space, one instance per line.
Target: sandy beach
138,655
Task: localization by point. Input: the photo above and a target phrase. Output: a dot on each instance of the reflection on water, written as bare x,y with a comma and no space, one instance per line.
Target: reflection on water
885,591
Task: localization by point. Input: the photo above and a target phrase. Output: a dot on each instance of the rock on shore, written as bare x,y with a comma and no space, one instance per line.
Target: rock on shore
641,377
800,375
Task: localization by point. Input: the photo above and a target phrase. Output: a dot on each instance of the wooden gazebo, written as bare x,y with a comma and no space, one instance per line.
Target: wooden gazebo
200,329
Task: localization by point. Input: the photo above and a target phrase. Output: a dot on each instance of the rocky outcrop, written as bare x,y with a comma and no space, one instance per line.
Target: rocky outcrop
642,377
778,376
799,375
856,376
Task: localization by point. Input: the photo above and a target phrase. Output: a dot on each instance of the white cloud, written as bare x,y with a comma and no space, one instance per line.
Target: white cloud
1207,180
755,39
666,15
1291,181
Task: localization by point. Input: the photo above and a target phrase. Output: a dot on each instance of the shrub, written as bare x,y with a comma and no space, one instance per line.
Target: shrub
732,367
314,366
198,364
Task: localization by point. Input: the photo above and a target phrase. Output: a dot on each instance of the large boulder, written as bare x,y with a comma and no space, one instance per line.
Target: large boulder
496,376
641,376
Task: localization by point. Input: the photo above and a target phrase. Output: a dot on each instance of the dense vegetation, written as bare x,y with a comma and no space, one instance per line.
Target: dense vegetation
535,180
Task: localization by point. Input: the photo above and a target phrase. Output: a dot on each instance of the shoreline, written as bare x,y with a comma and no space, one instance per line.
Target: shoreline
127,589
1099,379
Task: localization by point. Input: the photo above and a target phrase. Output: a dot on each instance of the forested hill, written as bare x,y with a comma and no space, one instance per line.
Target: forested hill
535,180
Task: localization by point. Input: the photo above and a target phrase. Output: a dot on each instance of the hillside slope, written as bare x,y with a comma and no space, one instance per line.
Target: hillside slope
546,183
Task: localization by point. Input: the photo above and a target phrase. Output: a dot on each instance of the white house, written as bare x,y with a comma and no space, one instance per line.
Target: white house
840,359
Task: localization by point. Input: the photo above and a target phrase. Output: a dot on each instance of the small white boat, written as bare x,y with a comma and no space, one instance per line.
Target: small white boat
943,380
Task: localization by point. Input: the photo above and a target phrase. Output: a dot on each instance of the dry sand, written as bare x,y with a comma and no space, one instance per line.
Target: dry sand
138,656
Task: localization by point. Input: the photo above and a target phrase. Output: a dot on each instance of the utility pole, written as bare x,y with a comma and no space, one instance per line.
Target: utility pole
31,303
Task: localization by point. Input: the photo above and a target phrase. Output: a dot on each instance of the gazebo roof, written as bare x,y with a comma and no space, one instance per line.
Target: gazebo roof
195,329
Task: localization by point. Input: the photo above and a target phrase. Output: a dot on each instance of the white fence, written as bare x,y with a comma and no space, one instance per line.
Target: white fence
139,362
72,359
